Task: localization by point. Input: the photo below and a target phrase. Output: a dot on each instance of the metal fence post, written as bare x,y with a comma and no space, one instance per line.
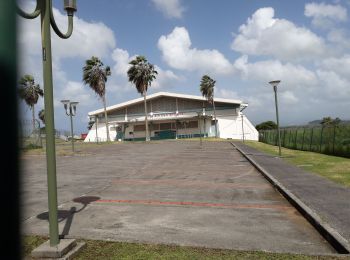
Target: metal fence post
296,137
321,139
302,142
334,130
290,136
312,133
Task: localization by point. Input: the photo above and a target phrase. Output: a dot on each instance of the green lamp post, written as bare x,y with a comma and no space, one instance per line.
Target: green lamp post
44,9
71,109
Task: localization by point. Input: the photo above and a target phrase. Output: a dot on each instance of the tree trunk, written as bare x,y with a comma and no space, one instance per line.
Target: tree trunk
216,124
33,118
146,120
106,119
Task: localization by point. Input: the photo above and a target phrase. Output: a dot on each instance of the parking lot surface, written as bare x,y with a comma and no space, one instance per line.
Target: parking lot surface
170,192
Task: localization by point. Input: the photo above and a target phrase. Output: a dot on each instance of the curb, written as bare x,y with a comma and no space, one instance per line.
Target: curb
330,234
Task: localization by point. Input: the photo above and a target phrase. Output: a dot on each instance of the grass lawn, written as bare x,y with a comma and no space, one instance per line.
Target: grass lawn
334,168
121,250
64,148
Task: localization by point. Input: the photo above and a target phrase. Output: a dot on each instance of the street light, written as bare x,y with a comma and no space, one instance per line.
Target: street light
44,8
71,109
242,107
274,84
200,115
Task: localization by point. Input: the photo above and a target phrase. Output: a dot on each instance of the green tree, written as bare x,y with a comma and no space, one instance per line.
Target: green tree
336,121
30,93
95,76
90,124
326,121
41,115
207,89
267,125
142,73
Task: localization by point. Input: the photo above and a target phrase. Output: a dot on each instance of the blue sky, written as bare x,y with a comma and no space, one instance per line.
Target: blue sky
241,44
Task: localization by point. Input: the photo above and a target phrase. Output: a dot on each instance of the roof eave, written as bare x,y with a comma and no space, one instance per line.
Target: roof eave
160,94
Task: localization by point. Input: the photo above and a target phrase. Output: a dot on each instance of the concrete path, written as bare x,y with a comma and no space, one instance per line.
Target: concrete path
327,199
171,192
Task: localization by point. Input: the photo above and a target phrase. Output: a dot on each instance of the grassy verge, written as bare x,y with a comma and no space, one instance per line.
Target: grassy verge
65,148
32,242
204,139
334,168
122,250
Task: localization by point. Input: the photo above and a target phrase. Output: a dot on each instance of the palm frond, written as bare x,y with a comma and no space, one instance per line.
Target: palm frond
41,115
207,88
95,75
141,73
29,91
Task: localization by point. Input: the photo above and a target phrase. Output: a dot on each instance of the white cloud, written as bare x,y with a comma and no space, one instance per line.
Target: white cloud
341,65
280,38
88,38
164,79
289,98
334,87
177,53
170,8
122,59
226,93
292,76
340,39
85,41
75,91
324,15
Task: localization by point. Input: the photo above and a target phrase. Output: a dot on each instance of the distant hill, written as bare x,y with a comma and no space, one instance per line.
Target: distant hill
315,122
318,122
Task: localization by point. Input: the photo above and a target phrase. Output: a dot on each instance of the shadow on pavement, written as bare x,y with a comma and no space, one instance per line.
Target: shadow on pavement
68,215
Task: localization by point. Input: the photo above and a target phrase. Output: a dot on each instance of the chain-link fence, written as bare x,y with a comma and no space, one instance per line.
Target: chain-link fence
30,134
33,136
332,139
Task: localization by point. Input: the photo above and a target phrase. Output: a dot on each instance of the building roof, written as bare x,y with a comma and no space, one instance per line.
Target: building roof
165,94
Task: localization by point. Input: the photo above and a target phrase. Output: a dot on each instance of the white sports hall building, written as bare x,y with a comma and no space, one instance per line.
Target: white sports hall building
172,116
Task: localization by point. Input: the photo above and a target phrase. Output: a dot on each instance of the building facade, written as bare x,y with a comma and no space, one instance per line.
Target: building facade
171,116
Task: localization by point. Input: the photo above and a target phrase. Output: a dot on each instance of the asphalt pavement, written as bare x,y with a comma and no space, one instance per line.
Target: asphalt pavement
329,201
168,192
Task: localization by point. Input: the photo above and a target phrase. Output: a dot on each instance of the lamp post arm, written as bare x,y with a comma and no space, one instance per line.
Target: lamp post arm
32,15
55,27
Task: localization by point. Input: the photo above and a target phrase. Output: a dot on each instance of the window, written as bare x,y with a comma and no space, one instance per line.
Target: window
193,124
139,128
154,127
165,126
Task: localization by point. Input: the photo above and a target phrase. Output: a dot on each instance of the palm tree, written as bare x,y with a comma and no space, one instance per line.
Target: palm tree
142,73
30,92
41,115
95,75
207,89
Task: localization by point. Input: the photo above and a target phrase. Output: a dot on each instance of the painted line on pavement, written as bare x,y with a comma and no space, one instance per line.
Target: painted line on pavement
188,183
197,204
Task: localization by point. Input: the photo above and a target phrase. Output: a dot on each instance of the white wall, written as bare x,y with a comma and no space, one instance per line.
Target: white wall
101,133
231,127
